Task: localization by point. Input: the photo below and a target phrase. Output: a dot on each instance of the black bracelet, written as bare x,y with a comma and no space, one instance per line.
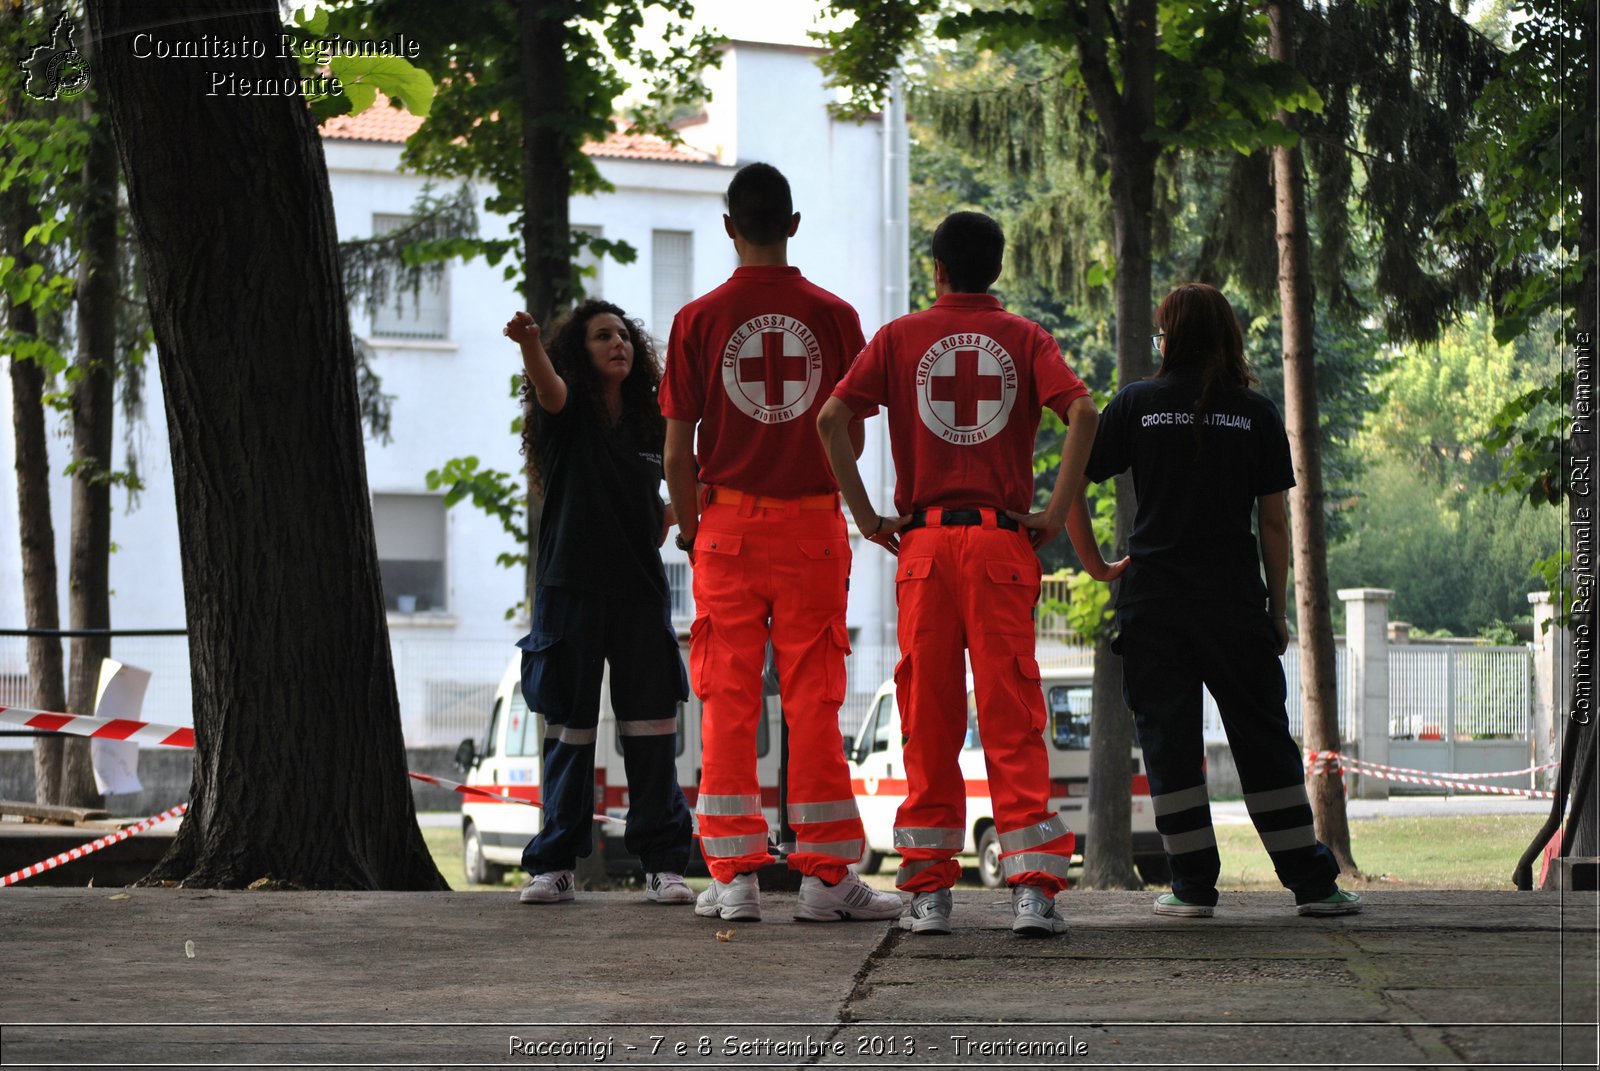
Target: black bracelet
878,529
685,545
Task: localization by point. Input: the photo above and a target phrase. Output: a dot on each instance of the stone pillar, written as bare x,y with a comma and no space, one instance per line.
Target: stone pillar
1552,685
1367,646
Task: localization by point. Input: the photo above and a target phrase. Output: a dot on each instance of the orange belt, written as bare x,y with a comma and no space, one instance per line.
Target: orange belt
727,496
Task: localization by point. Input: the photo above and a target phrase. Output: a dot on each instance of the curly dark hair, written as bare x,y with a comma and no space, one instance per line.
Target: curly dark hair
566,343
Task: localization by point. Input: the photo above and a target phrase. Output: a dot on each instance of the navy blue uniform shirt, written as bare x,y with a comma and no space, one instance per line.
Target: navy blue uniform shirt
1197,479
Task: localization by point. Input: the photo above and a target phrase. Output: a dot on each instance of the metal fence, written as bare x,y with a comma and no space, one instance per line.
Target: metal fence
446,686
1449,692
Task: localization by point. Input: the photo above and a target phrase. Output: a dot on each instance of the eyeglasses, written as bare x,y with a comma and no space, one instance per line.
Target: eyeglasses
1155,341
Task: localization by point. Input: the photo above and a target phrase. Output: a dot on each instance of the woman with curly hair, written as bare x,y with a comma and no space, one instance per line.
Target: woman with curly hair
595,436
1207,452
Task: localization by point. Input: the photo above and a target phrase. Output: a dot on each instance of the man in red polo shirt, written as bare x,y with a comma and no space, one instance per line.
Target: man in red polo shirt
964,383
749,363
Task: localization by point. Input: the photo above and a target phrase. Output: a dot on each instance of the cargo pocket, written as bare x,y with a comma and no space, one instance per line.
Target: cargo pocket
827,573
910,571
1030,690
543,687
836,638
700,662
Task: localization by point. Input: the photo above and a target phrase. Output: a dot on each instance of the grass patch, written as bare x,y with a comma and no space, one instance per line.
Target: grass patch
1443,852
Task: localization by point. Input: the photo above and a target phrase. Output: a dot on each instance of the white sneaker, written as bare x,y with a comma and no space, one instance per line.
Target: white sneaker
1035,912
851,898
929,913
737,901
551,887
666,887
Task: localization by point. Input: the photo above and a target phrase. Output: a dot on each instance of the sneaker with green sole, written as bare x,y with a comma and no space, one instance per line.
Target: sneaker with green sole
1340,903
1172,904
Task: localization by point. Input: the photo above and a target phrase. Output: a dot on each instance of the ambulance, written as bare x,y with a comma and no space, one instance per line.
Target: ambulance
877,771
505,760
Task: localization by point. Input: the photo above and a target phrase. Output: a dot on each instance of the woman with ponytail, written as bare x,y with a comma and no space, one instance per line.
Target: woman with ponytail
1206,452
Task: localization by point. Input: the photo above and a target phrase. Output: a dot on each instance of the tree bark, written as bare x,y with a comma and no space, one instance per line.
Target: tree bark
1125,118
1583,829
1314,614
36,527
89,553
300,768
546,235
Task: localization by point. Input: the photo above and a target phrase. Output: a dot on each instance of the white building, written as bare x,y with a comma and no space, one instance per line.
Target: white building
449,368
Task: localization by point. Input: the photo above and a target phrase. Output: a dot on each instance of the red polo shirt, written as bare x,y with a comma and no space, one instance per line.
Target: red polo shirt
964,383
752,362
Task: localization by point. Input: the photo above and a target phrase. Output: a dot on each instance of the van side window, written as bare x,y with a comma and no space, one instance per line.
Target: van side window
881,717
491,742
1070,708
973,742
520,736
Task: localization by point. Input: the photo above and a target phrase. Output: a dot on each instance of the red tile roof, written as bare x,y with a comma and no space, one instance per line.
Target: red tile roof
384,123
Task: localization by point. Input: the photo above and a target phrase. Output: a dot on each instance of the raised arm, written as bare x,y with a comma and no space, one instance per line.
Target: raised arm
548,387
1274,528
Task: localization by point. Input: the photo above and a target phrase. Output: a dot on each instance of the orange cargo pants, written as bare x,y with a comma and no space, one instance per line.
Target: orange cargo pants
972,588
768,568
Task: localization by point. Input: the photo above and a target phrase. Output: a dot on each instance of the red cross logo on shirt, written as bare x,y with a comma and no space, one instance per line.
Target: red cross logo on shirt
966,387
773,367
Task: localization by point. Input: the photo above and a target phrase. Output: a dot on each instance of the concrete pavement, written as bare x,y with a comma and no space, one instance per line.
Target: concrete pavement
104,978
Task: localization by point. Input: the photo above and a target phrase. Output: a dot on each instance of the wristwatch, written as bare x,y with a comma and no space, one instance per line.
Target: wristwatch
685,545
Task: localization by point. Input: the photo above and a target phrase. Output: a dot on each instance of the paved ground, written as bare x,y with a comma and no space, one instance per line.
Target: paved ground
1441,979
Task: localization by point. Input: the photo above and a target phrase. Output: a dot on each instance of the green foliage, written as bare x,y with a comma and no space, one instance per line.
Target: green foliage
499,494
1457,557
1532,155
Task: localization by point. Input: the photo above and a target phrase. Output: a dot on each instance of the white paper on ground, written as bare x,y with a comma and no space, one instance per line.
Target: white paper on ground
120,695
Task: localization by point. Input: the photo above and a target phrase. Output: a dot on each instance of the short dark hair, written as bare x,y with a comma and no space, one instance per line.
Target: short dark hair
969,245
760,204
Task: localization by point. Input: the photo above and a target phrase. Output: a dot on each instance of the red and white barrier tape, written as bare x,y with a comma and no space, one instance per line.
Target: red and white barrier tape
140,732
145,732
1332,762
498,797
1313,756
93,846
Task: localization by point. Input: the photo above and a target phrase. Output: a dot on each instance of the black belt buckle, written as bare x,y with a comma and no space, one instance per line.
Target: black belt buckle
961,518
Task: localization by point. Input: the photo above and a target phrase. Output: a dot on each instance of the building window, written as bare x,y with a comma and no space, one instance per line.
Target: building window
423,315
671,277
411,541
588,264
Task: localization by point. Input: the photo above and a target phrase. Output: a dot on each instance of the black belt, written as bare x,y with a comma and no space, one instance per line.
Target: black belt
957,518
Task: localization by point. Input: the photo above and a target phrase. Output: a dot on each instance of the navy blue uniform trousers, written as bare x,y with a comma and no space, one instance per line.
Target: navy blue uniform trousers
574,635
1169,649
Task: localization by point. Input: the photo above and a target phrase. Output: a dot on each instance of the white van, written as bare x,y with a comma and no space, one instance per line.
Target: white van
877,770
506,760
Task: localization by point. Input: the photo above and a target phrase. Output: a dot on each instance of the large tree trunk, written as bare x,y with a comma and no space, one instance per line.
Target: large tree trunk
36,528
1125,120
300,768
89,562
1314,614
1583,829
546,234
